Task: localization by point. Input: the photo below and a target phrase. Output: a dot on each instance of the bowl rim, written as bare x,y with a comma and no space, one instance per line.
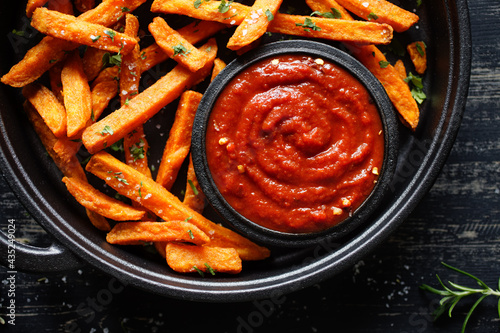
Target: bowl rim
313,49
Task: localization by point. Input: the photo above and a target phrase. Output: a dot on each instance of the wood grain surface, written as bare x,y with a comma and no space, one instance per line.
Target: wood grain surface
458,222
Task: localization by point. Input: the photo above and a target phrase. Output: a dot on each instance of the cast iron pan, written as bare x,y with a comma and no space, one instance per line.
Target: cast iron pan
444,26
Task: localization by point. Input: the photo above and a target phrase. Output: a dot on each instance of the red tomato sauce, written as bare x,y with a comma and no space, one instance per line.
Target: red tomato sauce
295,144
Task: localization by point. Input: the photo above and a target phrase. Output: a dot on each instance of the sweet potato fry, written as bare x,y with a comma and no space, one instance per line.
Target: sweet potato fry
145,105
176,46
55,81
179,140
106,75
329,6
84,5
134,233
231,13
49,51
93,199
184,258
102,93
34,4
130,67
381,11
219,65
62,6
397,89
193,197
70,28
340,30
314,27
48,106
255,23
418,55
164,204
194,32
77,94
98,221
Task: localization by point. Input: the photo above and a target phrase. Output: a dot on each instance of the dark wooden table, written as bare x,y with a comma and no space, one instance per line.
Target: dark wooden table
458,222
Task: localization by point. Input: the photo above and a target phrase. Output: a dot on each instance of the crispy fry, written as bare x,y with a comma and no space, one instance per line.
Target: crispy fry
84,5
177,47
55,81
106,75
34,4
184,258
314,27
102,93
146,104
219,65
133,233
397,90
48,106
381,11
193,197
164,204
399,66
194,32
418,55
99,202
131,62
340,30
92,62
62,6
179,140
77,94
49,51
70,28
255,23
233,14
329,6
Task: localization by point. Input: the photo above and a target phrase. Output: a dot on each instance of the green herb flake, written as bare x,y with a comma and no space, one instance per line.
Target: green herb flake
383,64
137,150
197,4
143,55
111,34
180,50
106,130
419,3
199,271
92,115
51,61
190,234
117,146
140,191
95,38
195,190
308,24
224,6
269,15
19,33
118,176
111,60
210,269
372,16
334,14
417,90
125,10
420,50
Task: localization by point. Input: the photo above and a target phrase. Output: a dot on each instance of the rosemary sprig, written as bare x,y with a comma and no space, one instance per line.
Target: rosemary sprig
452,297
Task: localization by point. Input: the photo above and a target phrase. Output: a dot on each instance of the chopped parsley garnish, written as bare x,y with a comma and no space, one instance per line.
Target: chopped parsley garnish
95,38
92,115
419,48
51,61
417,89
199,271
106,130
224,6
383,64
210,269
118,176
308,24
195,190
117,146
334,14
197,4
19,33
111,34
269,15
419,2
143,55
137,150
125,9
140,191
180,50
372,16
190,234
111,60
127,101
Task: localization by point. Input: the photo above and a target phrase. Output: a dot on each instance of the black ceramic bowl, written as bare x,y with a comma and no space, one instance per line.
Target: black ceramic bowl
443,25
314,50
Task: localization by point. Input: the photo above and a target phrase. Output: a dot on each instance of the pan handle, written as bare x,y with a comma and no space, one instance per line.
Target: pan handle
17,256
